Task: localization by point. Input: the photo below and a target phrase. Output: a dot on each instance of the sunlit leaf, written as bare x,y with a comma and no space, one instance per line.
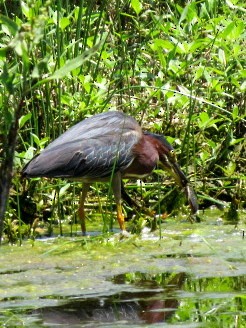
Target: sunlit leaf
228,30
137,6
222,57
35,139
26,10
204,155
205,121
24,119
189,12
64,22
234,113
204,117
64,189
43,142
229,169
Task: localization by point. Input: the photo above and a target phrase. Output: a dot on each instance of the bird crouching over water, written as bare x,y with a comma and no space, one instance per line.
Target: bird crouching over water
107,147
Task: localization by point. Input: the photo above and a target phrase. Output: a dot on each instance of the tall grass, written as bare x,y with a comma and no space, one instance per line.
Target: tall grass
179,68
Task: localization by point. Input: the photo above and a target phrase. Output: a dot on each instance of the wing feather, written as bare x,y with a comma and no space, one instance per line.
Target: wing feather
90,149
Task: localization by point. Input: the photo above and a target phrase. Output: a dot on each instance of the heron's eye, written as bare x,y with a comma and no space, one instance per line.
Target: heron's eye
172,154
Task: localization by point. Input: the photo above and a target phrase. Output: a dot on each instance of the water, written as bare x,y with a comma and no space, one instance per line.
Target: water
169,299
193,277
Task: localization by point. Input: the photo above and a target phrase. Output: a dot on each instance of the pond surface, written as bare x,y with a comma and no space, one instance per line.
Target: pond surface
194,276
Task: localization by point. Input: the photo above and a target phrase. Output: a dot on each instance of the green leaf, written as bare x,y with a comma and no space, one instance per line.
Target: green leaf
29,154
238,30
229,169
228,30
35,139
222,57
137,6
163,44
64,22
43,142
64,189
236,141
204,117
204,155
7,78
24,119
235,113
207,122
74,63
26,10
3,52
11,25
188,13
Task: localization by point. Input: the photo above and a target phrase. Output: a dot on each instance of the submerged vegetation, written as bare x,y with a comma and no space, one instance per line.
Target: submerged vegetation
178,67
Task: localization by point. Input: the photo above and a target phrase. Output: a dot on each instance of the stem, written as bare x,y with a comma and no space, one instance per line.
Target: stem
6,170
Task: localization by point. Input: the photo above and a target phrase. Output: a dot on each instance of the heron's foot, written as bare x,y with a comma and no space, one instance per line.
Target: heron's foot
195,218
125,234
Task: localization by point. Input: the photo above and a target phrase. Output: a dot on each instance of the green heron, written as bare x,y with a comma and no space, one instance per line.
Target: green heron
107,147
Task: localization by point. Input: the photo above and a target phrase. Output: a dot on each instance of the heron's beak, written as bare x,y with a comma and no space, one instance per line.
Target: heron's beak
171,166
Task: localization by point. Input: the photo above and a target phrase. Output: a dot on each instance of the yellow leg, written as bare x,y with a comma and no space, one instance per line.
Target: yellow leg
120,217
82,219
85,189
116,186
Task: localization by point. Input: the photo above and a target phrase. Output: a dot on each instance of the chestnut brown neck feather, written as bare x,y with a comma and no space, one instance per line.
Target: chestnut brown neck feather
146,155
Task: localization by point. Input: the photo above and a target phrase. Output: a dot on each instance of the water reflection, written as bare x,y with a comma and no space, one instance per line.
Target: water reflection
148,299
151,305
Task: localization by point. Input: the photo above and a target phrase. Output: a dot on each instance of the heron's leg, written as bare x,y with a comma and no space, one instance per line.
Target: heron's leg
127,198
86,187
116,186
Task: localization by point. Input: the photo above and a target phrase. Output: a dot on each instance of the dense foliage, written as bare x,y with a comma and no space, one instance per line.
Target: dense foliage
178,67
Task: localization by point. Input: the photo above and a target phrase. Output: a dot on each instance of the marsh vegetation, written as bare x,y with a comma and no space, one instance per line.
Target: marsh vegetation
178,67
